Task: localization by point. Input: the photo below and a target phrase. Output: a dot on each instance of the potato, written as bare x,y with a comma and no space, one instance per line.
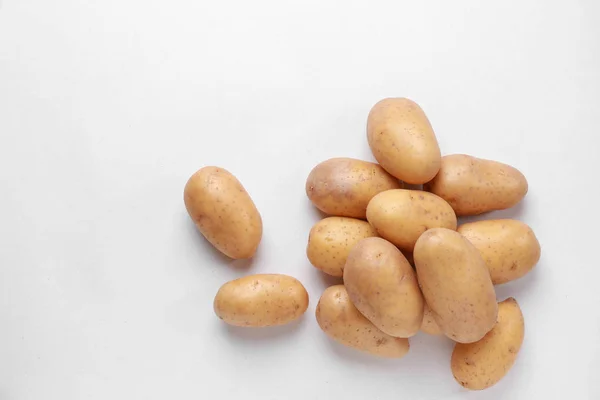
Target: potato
401,215
341,321
508,247
261,300
383,287
479,365
331,239
402,140
344,186
473,185
456,285
429,325
223,212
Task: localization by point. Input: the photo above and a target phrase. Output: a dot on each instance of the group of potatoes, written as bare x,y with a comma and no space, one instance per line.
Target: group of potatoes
406,264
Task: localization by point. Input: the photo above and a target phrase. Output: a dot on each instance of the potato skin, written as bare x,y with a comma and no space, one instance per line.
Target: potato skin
509,247
401,215
261,300
223,212
429,325
344,186
331,239
473,185
383,287
456,285
482,364
402,140
341,321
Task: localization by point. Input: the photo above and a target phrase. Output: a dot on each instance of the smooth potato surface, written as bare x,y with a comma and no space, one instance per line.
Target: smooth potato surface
261,300
382,285
456,285
429,325
341,321
344,186
223,212
482,364
473,185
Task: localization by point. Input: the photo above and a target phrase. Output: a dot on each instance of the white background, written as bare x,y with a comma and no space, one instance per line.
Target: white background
108,106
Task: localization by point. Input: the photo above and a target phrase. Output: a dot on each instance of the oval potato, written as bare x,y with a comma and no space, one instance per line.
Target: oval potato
401,215
261,300
402,140
344,186
509,247
456,285
341,321
383,287
473,185
429,325
331,239
482,364
223,212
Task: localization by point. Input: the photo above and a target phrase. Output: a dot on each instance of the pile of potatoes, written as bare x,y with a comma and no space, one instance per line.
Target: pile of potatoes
406,263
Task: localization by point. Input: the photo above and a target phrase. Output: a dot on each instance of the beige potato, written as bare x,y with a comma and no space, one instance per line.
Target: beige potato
508,247
482,364
331,239
261,300
429,325
456,285
383,287
341,321
344,186
401,215
223,212
473,185
402,140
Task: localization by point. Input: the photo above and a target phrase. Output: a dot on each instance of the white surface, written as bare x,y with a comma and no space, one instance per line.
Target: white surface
106,108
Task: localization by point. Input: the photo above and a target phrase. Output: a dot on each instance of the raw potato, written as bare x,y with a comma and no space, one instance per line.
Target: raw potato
429,325
508,247
223,212
473,185
482,364
402,140
383,287
341,321
401,215
331,239
261,300
344,186
456,285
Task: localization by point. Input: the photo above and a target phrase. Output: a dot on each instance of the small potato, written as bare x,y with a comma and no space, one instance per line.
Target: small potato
344,186
261,300
482,364
508,247
429,325
341,321
456,285
331,239
402,140
401,215
473,185
223,212
383,287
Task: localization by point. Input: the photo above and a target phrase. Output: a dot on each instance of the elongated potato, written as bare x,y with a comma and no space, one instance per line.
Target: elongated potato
344,186
402,140
473,185
429,325
401,216
482,364
383,287
331,239
223,212
508,247
456,285
261,300
341,321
